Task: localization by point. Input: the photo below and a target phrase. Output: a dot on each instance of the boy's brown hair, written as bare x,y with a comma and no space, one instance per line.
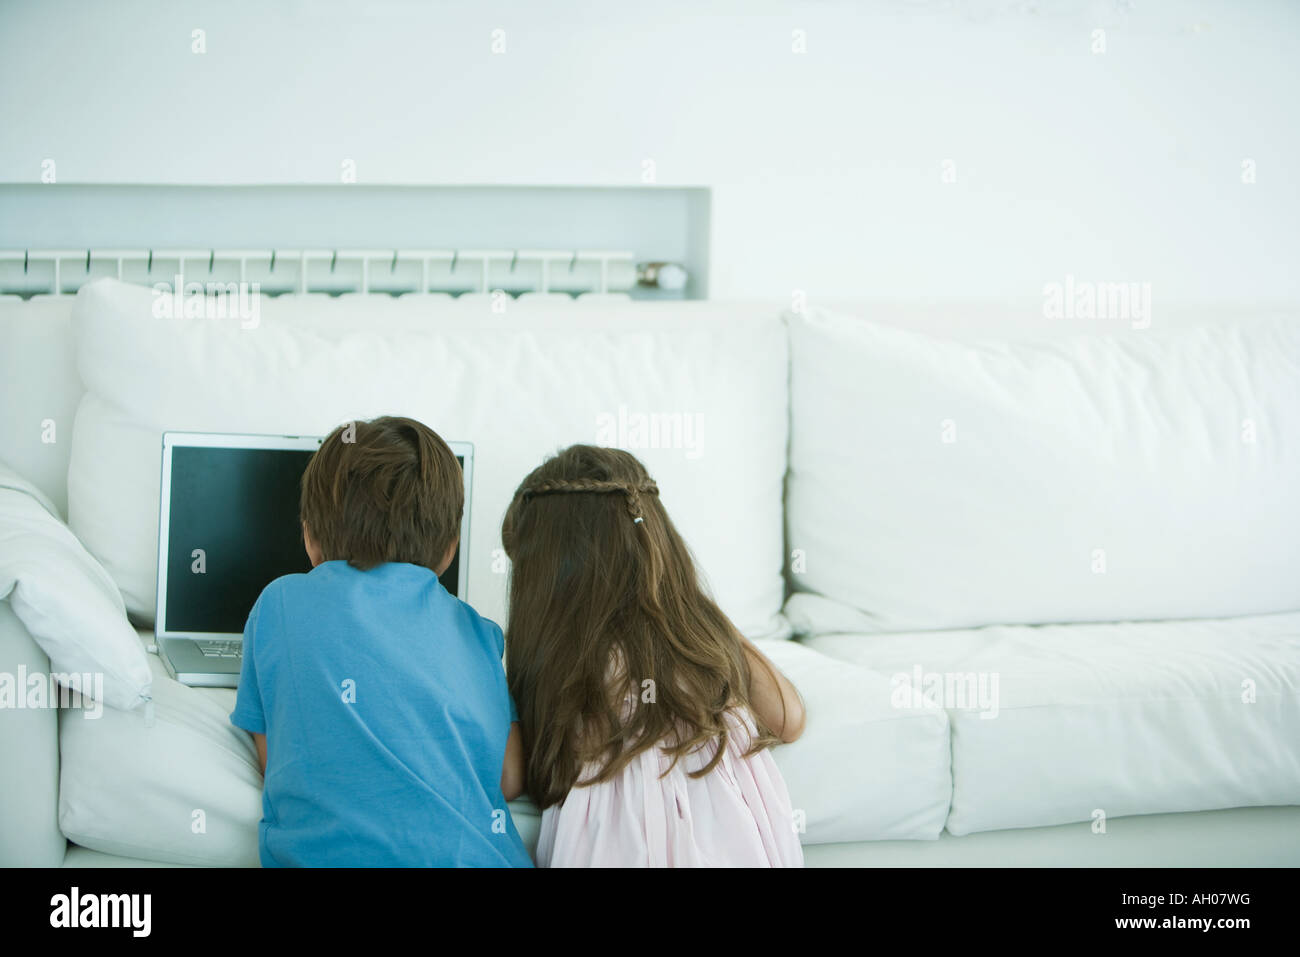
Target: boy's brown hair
386,490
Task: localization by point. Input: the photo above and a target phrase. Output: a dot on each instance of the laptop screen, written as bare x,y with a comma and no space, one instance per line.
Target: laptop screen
232,529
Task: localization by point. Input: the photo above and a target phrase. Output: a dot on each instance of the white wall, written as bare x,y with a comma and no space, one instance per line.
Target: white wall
825,166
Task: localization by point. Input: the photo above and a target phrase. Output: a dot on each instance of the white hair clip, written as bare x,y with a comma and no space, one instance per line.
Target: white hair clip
638,520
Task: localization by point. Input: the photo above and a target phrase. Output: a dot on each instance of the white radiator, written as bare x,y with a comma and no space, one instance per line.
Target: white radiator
60,272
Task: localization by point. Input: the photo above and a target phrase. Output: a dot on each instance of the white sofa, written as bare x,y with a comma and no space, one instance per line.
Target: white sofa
816,511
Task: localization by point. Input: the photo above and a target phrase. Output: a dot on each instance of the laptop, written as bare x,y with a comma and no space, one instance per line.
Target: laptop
228,526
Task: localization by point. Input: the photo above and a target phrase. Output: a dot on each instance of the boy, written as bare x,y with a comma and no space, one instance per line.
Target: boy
377,700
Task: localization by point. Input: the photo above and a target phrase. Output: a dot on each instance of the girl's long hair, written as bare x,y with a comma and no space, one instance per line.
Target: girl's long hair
605,603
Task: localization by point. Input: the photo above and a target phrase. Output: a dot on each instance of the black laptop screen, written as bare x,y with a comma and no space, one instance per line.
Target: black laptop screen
232,529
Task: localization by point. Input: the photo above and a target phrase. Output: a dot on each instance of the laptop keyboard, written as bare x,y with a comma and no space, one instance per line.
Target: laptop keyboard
221,649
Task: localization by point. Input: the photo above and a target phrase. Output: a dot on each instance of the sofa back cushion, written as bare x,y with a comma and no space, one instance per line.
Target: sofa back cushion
696,390
39,391
938,483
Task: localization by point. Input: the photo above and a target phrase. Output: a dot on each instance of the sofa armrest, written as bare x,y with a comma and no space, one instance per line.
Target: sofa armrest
29,758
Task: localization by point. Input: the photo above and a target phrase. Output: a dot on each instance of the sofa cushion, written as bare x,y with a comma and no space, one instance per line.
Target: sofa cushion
179,784
863,770
40,388
937,483
185,787
697,390
1137,718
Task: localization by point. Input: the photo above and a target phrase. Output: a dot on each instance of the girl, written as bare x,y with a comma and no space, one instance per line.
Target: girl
645,714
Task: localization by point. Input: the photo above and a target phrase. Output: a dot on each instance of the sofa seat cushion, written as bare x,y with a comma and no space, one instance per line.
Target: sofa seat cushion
1083,720
863,770
186,789
181,785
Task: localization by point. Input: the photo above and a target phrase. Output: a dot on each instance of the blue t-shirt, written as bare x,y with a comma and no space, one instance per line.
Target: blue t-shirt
386,712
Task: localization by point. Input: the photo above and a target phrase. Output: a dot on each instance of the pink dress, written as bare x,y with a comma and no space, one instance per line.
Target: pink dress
738,815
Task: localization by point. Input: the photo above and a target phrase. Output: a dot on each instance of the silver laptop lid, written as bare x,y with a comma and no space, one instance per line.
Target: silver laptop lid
228,526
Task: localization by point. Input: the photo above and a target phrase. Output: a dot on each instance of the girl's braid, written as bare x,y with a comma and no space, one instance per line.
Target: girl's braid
631,492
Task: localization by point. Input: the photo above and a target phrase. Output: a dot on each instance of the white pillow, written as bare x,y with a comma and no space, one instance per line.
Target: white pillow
519,386
67,602
940,484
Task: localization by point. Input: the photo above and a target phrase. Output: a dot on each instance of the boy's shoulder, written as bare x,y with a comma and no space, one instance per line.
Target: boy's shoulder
488,629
